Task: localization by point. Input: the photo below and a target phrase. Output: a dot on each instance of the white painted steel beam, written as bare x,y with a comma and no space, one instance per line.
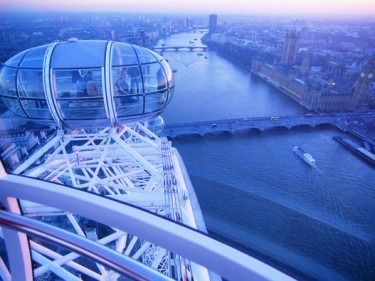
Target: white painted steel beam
19,253
187,242
85,247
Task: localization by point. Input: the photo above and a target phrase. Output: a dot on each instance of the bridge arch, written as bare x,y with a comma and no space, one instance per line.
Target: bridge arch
218,133
327,125
276,127
309,125
186,136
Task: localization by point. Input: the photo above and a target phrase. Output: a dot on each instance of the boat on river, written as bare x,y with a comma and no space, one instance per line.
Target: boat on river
307,157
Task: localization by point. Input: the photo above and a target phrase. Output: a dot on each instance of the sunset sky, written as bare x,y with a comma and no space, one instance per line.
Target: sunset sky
349,7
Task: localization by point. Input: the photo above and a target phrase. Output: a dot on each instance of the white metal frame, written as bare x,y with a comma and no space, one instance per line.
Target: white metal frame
81,246
48,84
108,169
189,243
129,164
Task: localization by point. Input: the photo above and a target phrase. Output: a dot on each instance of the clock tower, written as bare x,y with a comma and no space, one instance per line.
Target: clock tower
362,86
290,47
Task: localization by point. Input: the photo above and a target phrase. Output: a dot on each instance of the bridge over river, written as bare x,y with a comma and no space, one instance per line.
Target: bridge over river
342,121
183,48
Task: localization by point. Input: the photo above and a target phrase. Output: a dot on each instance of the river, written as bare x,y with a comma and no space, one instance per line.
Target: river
315,223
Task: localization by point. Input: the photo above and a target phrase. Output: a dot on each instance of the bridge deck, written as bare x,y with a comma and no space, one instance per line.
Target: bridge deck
177,48
261,123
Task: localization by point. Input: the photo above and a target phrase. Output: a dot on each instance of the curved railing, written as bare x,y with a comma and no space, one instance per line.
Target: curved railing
189,243
97,252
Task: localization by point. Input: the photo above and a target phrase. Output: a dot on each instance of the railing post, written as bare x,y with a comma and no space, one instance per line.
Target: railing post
17,246
16,243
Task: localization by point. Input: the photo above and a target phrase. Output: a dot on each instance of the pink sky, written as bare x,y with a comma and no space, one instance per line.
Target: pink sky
203,6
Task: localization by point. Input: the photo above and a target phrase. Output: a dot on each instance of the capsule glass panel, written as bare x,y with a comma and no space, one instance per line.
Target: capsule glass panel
155,101
79,54
36,108
34,58
144,55
15,60
123,54
30,83
80,94
154,77
127,106
8,81
14,105
120,81
168,72
136,85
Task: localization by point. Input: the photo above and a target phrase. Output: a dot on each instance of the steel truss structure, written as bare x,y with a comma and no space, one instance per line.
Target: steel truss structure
129,164
50,230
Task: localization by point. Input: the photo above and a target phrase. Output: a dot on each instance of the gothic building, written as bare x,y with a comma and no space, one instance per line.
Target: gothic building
290,47
328,91
361,90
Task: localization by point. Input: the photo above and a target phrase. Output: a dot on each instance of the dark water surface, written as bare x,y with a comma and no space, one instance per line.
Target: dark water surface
255,193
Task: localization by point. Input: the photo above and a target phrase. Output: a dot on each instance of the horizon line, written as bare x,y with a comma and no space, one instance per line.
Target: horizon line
15,11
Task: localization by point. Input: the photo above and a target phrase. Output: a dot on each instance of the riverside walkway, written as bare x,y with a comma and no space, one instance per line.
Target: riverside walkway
239,125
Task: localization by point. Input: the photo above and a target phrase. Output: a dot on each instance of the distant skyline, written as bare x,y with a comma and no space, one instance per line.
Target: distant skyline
344,7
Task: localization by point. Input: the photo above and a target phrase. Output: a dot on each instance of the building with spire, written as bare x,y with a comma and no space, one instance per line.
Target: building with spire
361,90
305,65
290,47
333,89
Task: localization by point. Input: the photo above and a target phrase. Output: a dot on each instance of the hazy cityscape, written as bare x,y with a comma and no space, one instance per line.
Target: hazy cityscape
322,69
322,56
325,64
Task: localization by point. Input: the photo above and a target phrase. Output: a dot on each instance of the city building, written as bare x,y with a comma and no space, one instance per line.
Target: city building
212,23
290,47
305,65
331,89
362,87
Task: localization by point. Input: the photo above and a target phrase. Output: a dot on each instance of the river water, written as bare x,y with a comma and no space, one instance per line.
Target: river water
315,223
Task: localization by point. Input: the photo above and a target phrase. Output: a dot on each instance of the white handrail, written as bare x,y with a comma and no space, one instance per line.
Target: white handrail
189,243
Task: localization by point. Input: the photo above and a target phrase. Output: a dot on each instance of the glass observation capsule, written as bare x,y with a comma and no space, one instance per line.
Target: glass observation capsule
87,83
